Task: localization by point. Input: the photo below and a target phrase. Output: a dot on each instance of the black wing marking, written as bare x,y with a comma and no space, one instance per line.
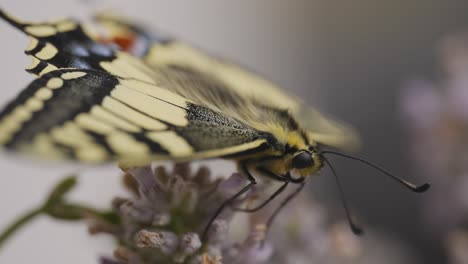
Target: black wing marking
93,116
63,44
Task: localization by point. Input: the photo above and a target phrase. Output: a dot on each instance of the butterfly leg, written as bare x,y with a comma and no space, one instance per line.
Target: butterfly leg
245,170
260,206
286,179
290,197
273,176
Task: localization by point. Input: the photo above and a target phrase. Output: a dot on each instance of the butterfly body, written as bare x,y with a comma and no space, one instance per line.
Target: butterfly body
136,97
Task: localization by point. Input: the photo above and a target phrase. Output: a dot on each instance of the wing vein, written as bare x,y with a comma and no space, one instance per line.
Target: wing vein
143,113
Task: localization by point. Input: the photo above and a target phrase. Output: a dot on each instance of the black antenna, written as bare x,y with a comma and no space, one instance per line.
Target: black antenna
356,230
419,189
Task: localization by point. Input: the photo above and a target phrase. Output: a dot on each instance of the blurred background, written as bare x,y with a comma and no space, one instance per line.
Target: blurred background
352,59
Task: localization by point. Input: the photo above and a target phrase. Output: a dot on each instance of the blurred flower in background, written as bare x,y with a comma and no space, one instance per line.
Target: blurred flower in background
304,234
436,114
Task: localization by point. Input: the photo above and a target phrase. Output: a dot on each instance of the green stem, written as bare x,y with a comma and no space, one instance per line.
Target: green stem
15,226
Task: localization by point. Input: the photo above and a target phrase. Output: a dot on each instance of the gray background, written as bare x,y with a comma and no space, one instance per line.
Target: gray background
346,57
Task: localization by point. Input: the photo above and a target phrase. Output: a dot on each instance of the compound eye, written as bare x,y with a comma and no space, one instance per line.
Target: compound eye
302,160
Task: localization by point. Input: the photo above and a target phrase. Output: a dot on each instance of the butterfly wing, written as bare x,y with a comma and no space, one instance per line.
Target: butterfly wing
93,116
222,77
94,103
67,44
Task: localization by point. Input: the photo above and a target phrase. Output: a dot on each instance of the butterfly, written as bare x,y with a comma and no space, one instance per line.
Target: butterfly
135,97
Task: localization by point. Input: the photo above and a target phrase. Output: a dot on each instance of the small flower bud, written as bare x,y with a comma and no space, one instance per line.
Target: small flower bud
167,242
190,243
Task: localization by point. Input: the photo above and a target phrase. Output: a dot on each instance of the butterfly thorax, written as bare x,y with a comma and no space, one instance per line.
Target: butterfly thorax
299,156
299,159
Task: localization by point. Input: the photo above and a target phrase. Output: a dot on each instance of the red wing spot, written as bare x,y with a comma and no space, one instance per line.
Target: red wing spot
125,42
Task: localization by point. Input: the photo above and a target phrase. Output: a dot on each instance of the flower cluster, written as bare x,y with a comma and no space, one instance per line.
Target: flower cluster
164,218
163,221
169,210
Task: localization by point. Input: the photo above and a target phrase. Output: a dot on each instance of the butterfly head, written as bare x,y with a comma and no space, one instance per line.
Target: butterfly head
304,163
300,158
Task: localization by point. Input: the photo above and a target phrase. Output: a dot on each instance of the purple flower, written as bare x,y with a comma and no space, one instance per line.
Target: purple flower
163,221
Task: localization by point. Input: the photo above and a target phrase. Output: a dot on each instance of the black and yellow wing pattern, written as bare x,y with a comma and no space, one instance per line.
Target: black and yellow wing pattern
93,101
158,51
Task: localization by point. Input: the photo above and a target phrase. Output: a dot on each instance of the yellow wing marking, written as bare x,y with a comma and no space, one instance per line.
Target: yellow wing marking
230,150
66,25
126,66
43,93
176,145
22,114
156,92
12,122
48,69
83,145
47,53
34,104
34,63
50,29
102,114
154,107
72,75
92,153
4,136
124,111
125,145
71,134
41,30
7,128
32,44
42,146
54,83
66,137
90,123
9,125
